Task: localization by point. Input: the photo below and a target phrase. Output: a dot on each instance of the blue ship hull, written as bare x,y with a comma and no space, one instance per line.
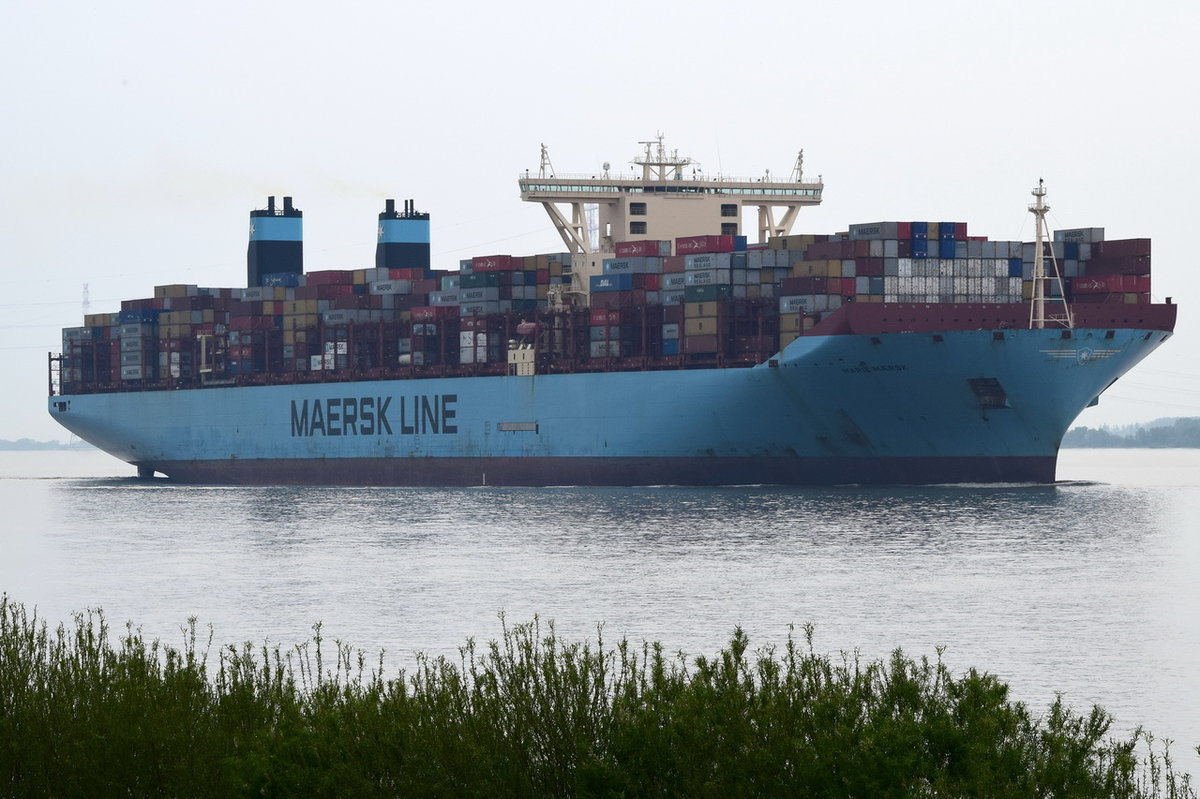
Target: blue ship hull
905,407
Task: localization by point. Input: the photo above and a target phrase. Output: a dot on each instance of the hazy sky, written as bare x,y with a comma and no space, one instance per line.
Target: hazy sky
135,137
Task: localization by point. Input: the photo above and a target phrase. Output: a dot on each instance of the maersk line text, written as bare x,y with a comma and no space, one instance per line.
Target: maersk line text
368,416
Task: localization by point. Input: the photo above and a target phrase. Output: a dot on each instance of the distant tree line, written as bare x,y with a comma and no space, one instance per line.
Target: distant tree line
28,445
1184,432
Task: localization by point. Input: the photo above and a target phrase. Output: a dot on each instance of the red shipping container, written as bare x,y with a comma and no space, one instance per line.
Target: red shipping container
1142,284
432,313
904,231
329,277
697,345
869,267
650,281
543,277
645,247
1097,284
673,264
1116,248
960,231
689,245
408,273
1118,265
493,263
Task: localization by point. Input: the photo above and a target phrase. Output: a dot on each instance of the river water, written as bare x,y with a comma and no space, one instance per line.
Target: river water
1089,587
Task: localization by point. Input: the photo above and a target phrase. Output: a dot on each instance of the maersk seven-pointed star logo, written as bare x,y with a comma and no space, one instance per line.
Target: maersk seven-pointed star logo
381,232
251,230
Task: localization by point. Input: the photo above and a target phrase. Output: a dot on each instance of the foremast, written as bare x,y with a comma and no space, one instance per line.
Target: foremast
1038,318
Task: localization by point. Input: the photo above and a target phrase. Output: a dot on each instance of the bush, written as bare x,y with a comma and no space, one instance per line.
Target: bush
532,715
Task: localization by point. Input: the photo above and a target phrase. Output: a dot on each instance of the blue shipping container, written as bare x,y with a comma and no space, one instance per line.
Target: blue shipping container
621,282
285,279
137,316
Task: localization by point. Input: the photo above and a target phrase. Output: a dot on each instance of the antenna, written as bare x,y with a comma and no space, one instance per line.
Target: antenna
545,169
87,303
798,169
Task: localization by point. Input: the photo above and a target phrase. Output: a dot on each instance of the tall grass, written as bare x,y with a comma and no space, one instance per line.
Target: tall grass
532,715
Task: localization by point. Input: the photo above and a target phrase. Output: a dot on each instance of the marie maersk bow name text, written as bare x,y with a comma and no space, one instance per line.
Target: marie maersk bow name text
374,416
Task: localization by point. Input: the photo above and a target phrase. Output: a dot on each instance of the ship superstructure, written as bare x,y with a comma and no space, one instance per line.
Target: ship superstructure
663,196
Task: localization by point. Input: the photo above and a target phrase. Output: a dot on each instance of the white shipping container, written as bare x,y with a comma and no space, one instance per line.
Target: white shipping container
708,277
796,303
670,330
873,230
707,260
849,267
606,349
391,287
466,355
1088,235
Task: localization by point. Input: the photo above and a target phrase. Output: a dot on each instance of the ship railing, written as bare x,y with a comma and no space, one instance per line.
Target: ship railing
635,179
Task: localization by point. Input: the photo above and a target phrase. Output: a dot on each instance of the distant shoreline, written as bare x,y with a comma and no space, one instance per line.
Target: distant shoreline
1174,433
29,445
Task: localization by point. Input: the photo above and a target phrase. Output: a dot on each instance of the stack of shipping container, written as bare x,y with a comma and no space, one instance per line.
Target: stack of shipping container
698,301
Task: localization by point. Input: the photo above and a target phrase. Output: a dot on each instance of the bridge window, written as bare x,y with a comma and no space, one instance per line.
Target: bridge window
637,209
729,209
729,228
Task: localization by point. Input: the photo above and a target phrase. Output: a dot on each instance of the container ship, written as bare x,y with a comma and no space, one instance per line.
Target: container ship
663,345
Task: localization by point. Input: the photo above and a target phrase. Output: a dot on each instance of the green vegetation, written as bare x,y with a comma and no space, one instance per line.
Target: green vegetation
1181,432
532,715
